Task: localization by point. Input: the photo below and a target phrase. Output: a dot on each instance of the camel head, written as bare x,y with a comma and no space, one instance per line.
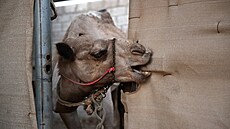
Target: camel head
87,51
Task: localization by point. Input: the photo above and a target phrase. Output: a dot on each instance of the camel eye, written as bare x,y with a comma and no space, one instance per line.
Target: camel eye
98,54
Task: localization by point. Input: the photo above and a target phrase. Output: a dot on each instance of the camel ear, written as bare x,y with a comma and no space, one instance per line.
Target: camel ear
65,51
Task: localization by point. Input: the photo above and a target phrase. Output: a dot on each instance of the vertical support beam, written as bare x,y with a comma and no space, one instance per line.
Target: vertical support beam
42,45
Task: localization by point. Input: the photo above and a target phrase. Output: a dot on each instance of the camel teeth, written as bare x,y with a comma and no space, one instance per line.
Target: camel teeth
146,73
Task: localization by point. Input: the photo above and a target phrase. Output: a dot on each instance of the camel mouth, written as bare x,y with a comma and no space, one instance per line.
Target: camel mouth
139,76
129,87
137,69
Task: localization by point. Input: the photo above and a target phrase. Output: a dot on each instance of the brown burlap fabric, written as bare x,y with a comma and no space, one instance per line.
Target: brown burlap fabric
190,83
17,110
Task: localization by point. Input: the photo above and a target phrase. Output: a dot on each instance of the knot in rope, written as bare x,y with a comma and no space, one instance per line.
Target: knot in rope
99,113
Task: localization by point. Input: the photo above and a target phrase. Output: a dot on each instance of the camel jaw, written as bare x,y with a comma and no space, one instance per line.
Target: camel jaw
130,87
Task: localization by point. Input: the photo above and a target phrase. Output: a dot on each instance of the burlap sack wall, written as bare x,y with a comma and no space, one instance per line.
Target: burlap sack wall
17,109
190,83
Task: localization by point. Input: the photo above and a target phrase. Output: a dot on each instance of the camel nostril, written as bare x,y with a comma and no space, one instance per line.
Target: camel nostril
137,49
137,52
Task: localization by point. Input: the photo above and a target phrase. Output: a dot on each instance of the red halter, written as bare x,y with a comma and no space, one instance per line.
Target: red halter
110,70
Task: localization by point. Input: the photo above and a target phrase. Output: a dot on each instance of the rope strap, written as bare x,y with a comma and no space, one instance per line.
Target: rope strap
98,95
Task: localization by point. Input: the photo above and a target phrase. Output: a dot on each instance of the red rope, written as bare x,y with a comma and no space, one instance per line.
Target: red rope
112,69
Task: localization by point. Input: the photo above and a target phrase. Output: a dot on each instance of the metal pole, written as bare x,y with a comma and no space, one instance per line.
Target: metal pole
42,43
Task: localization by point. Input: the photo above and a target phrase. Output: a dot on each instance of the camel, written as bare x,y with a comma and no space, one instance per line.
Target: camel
93,55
